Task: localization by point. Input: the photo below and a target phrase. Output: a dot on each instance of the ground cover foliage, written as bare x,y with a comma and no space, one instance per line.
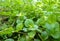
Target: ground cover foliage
29,20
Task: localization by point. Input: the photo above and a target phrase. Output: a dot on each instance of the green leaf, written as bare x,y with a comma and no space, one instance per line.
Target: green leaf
19,27
56,32
40,21
36,40
7,31
29,23
22,39
44,35
53,29
34,28
51,18
9,40
31,34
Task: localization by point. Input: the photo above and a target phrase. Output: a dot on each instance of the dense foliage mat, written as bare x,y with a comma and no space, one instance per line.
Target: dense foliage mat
29,20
